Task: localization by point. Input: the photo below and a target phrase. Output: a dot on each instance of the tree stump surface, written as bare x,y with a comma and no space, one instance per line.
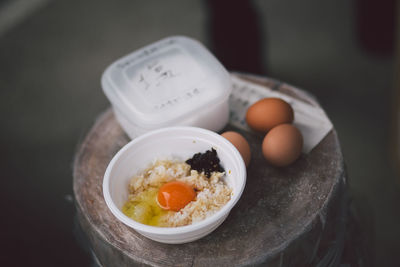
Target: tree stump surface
285,217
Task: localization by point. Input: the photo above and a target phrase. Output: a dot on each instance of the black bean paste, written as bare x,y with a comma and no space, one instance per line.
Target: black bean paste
206,162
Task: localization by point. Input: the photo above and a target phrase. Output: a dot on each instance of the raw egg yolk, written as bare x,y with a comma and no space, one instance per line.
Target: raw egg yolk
175,195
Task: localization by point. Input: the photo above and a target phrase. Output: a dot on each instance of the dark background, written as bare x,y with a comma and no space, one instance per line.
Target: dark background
53,52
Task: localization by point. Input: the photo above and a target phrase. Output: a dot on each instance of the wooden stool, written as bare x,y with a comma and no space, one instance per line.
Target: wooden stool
286,217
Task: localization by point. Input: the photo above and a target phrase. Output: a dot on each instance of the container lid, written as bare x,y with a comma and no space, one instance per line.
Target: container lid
166,82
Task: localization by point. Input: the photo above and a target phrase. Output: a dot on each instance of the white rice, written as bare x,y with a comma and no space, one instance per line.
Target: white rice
212,193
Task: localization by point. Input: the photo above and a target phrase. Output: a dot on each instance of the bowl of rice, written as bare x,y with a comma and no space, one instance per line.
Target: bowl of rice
135,178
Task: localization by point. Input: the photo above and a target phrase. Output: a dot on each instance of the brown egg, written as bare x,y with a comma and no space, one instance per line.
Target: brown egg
282,145
240,143
267,113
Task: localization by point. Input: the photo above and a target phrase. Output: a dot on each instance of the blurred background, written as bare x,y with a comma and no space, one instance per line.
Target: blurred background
53,52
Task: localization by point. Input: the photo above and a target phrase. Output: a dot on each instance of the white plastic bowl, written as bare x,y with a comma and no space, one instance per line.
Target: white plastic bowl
171,143
173,82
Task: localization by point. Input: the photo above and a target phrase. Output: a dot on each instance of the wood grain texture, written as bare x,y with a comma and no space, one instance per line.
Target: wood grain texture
285,217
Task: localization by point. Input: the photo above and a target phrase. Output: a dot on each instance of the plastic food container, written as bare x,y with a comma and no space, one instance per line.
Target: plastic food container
175,81
178,143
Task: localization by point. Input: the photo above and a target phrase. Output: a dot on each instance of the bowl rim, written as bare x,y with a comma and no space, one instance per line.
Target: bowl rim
167,231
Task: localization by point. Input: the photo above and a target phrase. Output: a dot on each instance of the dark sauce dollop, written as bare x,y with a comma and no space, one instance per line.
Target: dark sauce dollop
206,162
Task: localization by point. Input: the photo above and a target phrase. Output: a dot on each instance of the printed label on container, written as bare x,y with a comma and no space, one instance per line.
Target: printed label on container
165,80
312,121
